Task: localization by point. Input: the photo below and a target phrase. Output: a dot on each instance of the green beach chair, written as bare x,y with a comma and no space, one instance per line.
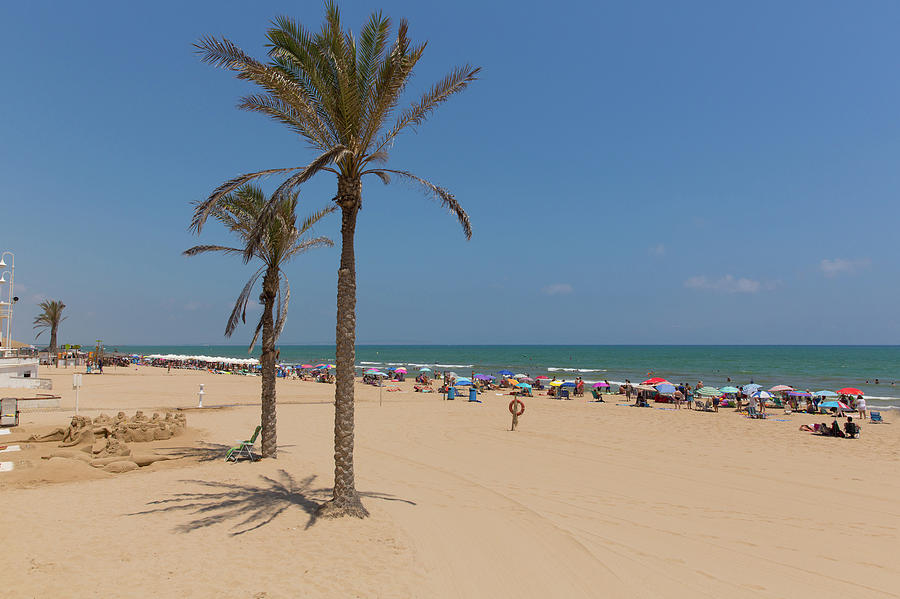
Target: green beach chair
244,448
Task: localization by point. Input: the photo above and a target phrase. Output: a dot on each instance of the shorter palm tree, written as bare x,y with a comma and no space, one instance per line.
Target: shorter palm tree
49,318
240,212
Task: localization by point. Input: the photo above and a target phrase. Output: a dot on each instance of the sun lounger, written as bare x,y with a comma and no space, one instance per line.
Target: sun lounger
9,411
243,448
875,417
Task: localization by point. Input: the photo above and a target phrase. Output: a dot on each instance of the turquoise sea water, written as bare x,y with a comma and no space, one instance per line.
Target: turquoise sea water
802,367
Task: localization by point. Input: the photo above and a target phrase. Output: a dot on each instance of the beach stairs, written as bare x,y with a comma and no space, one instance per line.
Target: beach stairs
243,449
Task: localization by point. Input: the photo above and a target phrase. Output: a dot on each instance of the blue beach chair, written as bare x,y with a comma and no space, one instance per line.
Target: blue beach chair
875,417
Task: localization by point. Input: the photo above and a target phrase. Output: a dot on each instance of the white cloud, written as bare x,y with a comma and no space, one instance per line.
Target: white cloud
842,266
727,284
558,289
657,250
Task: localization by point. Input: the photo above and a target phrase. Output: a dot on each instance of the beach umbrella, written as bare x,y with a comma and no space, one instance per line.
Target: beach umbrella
850,391
568,384
424,370
752,388
762,395
780,388
401,370
320,366
373,371
505,372
520,376
601,384
484,377
556,383
665,388
463,382
542,377
526,379
512,382
524,385
825,393
379,374
655,381
452,374
710,392
730,390
306,366
834,404
800,394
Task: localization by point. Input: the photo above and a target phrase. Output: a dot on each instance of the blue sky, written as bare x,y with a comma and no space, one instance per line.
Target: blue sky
636,172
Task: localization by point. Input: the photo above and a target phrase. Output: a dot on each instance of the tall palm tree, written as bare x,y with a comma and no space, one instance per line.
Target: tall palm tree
281,240
338,92
49,318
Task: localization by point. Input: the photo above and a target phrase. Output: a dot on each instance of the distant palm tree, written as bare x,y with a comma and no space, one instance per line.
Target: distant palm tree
49,318
338,93
281,240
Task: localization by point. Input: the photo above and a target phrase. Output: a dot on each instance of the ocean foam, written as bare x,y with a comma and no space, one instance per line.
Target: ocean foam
455,365
370,362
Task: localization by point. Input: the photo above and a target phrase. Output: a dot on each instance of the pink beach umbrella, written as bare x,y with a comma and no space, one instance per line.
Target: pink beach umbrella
780,388
401,370
306,366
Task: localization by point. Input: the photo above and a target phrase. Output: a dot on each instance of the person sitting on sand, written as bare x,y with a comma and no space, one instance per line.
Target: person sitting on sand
835,430
851,429
813,428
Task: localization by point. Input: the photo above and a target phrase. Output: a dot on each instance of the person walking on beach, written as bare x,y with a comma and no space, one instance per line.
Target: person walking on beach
861,406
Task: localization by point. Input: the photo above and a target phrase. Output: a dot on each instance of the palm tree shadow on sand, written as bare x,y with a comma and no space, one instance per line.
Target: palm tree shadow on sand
249,506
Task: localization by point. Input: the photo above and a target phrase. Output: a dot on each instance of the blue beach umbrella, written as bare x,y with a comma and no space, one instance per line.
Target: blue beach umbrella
568,384
505,372
463,382
729,390
825,393
665,388
762,395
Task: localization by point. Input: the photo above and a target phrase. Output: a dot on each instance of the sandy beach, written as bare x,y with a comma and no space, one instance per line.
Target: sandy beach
583,500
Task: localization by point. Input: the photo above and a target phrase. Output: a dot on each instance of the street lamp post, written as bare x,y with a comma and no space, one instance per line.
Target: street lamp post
9,302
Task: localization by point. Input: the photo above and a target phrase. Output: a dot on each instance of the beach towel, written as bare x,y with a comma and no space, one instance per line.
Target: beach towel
6,466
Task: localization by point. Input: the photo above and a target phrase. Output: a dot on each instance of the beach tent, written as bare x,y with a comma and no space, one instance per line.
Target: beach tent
825,393
505,372
709,392
780,388
850,391
730,390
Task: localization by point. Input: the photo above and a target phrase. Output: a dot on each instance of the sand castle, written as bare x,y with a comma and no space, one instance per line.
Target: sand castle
103,441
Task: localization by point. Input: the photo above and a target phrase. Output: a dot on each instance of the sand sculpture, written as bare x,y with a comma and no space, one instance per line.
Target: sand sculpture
103,440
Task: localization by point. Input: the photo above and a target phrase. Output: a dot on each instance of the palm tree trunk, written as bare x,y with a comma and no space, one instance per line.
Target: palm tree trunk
53,349
267,364
345,500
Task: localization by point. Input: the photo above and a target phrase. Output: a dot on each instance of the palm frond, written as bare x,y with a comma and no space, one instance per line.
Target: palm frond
200,249
456,81
204,208
239,313
447,199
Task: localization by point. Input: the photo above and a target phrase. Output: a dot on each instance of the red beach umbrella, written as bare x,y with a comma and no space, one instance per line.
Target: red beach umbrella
654,381
542,377
850,391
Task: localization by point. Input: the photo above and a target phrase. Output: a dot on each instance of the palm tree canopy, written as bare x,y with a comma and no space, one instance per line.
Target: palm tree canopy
50,316
282,240
341,94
